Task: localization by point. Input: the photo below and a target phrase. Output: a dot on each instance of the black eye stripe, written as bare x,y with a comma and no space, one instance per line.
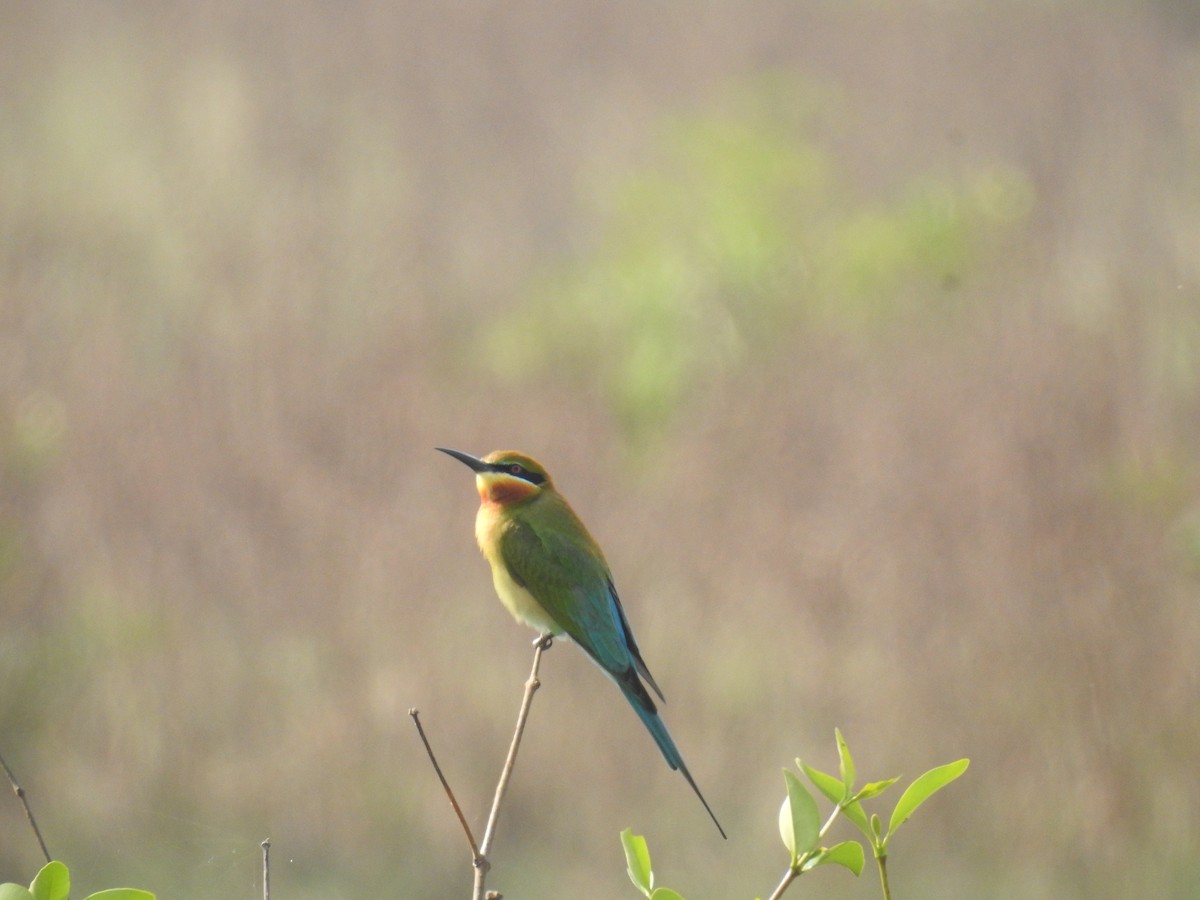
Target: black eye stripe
519,471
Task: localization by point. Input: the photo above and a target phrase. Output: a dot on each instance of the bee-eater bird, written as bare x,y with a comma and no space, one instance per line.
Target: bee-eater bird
551,575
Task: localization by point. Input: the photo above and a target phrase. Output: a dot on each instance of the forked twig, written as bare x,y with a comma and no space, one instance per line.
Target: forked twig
479,852
20,792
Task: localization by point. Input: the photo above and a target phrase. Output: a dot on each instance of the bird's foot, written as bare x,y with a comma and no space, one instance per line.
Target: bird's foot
544,641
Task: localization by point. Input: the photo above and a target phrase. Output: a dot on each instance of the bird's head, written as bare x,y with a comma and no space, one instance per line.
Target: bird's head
505,477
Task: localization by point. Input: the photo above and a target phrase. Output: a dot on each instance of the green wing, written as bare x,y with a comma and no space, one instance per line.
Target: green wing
571,582
575,588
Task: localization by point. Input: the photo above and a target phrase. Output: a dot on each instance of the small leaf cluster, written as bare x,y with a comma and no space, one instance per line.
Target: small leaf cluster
53,882
801,828
743,226
799,819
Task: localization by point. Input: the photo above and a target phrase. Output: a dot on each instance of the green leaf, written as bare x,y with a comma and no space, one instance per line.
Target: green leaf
10,891
831,787
637,861
856,814
922,789
874,789
845,762
787,833
799,819
848,854
53,882
836,792
665,894
120,894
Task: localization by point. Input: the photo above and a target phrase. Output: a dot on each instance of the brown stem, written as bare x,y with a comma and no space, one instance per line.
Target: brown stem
479,860
475,856
20,792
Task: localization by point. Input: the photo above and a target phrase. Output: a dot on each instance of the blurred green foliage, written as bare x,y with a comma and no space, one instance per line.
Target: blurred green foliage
31,441
134,181
740,227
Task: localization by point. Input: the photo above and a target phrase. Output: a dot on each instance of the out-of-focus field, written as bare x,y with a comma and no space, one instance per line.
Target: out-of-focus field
865,337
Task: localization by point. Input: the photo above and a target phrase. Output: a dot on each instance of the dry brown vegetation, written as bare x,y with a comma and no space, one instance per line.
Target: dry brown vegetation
250,255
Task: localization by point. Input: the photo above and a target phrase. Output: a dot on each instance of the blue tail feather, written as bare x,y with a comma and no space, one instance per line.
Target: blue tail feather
658,730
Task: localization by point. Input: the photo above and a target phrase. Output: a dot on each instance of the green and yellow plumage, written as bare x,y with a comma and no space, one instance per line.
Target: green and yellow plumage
551,574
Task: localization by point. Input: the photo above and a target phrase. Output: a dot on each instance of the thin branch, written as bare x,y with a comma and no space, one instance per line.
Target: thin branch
788,877
540,645
482,865
20,792
479,852
475,855
266,848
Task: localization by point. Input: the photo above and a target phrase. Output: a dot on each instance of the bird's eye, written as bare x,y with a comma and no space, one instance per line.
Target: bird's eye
516,469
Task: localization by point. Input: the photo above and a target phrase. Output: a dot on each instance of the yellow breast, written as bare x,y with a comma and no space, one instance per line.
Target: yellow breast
515,598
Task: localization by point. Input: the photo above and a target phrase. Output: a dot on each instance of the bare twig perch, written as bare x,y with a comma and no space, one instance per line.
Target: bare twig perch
479,852
20,792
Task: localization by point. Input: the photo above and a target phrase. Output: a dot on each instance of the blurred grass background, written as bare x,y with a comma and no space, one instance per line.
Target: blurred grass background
865,336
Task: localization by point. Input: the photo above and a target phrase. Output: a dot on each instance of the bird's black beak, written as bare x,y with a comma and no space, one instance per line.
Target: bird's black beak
471,462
